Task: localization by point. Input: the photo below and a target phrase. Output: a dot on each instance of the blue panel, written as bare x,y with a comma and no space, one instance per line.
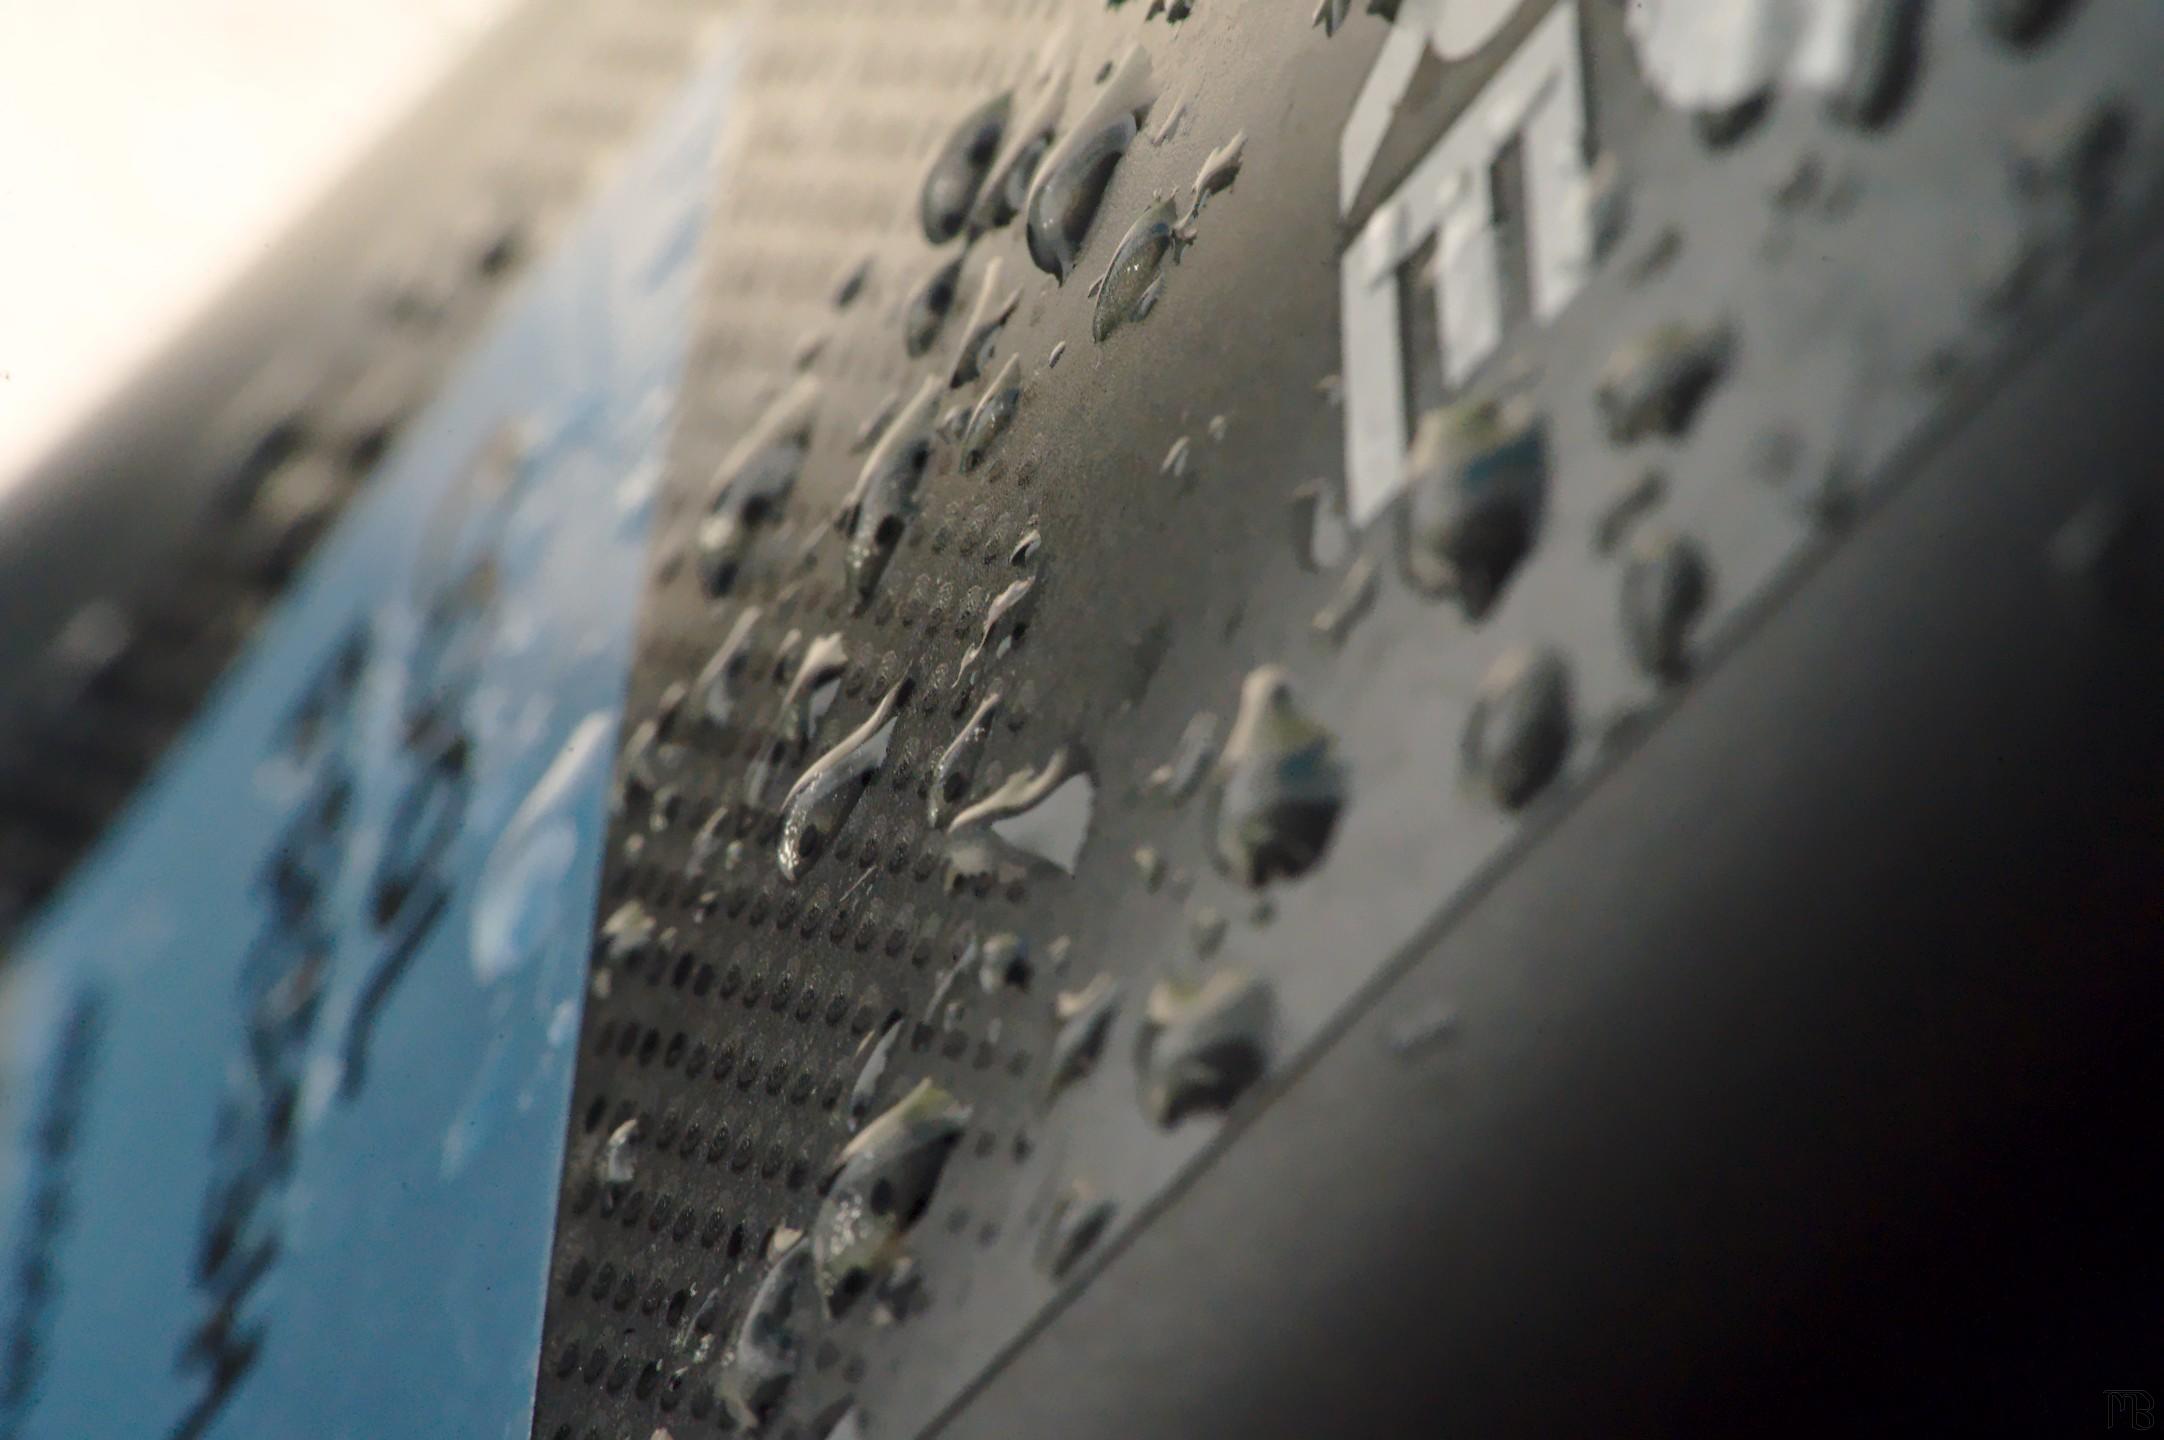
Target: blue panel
323,980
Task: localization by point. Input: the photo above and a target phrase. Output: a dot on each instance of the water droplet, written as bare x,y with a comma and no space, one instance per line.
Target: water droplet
518,899
1420,1029
755,477
2071,157
1025,549
1178,778
1665,589
1321,538
1278,788
720,681
1078,1219
958,171
1519,731
880,1185
820,803
953,421
1203,1043
994,309
804,704
956,770
1150,866
1085,1019
885,497
993,413
1884,41
1052,360
1476,478
878,1051
1131,287
1070,184
2022,22
1003,963
1006,190
876,423
709,838
1632,498
808,351
1654,385
1176,458
765,1353
929,305
1220,169
1354,598
618,1163
1330,15
852,284
1206,927
1044,812
1218,427
1005,621
627,932
2103,559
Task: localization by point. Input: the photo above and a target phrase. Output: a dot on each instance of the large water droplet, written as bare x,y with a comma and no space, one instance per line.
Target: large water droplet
1665,589
1519,731
929,305
1653,385
1203,1042
768,1348
1078,1219
720,682
754,479
1006,190
885,498
996,304
1070,185
951,184
820,803
956,770
881,1184
1044,812
1133,283
993,413
1085,1018
1278,788
1476,479
518,899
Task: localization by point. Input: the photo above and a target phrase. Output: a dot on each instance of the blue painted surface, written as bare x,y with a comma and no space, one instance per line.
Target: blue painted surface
412,1203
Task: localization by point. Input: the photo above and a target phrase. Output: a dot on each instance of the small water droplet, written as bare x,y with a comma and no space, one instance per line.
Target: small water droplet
1044,812
994,412
1203,1043
1632,498
2071,157
767,1349
1085,1019
820,803
1206,927
956,769
720,681
1666,585
878,1052
1178,778
1220,169
1277,790
618,1163
1354,598
755,478
627,932
1321,538
958,170
1078,1219
1169,126
885,497
1519,731
1052,360
1330,15
1217,428
804,704
1420,1029
1070,184
881,1183
853,283
1025,549
2022,22
1005,620
1003,963
1476,481
995,307
1150,866
876,423
1175,462
808,351
929,305
1654,385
